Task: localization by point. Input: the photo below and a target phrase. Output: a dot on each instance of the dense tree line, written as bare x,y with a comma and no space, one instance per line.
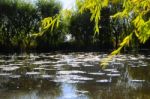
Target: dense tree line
19,20
21,26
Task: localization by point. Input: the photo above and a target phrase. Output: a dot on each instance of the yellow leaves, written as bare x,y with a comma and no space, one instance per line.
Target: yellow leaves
105,3
50,22
122,14
143,31
139,9
53,20
118,14
115,1
136,7
136,33
138,21
134,1
142,28
57,21
46,22
128,4
133,10
145,4
105,61
67,13
94,6
116,51
125,42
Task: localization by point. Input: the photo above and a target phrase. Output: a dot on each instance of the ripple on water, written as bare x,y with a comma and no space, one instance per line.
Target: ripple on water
103,81
70,72
13,68
88,65
32,73
97,73
50,69
81,91
133,58
82,78
46,76
120,59
1,61
16,64
110,70
39,68
144,65
41,62
74,82
58,65
137,81
118,64
5,74
134,66
72,79
114,75
15,76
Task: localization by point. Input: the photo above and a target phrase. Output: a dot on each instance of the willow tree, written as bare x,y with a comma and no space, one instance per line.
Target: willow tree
18,19
136,11
47,37
81,28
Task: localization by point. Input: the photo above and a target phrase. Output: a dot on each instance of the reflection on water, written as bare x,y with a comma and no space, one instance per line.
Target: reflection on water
74,76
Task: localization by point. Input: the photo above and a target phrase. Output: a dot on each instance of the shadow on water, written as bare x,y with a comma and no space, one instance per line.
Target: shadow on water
74,76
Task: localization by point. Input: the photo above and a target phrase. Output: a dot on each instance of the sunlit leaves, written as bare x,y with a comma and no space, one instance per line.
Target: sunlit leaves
105,3
124,43
136,11
49,22
143,32
105,61
95,7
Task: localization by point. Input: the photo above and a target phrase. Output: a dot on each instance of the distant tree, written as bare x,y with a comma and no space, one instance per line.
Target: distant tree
81,28
48,38
18,21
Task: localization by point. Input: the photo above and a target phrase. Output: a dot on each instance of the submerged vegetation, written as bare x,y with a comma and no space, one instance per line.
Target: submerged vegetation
95,24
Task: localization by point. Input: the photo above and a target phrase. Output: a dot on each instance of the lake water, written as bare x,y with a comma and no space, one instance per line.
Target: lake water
74,76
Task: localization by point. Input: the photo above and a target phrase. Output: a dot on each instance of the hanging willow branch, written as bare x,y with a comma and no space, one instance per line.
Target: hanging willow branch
95,7
136,11
49,23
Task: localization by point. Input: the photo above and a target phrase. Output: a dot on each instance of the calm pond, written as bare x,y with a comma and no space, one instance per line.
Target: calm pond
74,76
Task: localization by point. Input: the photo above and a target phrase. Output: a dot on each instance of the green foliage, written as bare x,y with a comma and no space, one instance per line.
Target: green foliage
48,8
124,43
24,25
81,28
136,11
95,7
51,26
133,10
18,23
20,20
48,23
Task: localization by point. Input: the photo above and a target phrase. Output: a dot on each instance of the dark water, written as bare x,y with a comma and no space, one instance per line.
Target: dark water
74,76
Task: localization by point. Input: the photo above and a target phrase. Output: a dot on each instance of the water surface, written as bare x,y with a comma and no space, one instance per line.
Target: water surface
74,76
